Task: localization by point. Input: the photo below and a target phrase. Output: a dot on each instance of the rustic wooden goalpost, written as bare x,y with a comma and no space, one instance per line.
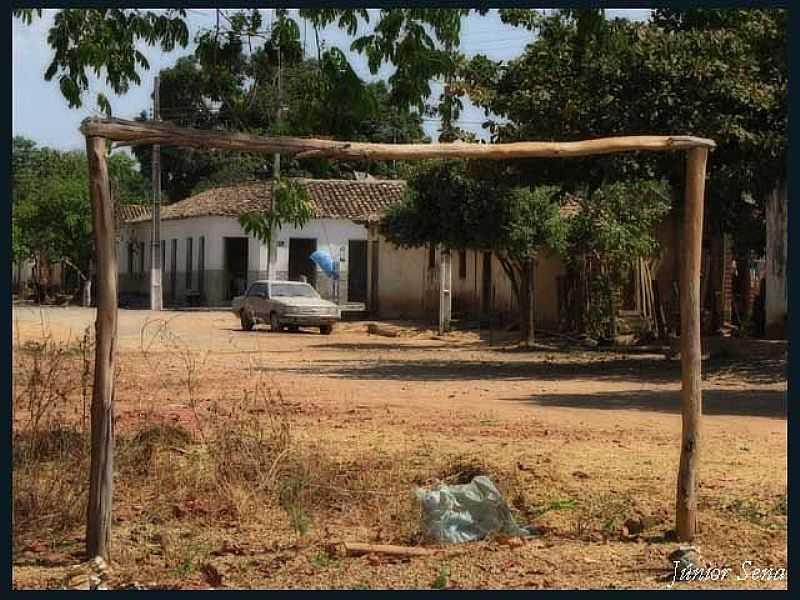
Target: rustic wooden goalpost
99,131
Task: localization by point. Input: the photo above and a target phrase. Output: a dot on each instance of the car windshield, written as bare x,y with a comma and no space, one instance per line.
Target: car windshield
293,290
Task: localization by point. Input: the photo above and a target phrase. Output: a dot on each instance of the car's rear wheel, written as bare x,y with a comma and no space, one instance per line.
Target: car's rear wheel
325,329
274,323
247,321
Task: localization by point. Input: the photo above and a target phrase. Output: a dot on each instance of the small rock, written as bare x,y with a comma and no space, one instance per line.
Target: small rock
634,526
580,475
688,557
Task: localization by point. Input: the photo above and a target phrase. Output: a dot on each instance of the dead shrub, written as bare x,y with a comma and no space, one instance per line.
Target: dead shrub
56,444
49,484
44,379
602,513
136,453
50,455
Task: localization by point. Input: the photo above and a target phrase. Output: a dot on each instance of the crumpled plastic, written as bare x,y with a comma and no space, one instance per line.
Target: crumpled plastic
454,514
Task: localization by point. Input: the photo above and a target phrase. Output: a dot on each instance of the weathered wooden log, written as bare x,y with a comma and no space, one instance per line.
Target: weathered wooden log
375,329
356,549
691,393
98,521
165,134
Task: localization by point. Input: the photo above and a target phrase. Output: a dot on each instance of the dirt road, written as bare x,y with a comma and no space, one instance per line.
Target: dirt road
612,418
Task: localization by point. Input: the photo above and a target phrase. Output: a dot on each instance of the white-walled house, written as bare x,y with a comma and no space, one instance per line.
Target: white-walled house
207,257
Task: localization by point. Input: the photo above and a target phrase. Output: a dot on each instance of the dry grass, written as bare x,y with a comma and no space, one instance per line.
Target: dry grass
250,483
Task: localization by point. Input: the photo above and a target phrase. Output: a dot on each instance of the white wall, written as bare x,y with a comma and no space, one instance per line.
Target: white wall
215,229
331,235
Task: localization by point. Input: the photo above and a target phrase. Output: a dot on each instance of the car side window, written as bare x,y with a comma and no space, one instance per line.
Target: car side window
257,289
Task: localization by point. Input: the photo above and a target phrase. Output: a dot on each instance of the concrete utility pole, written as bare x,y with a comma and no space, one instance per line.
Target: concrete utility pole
156,292
276,158
445,289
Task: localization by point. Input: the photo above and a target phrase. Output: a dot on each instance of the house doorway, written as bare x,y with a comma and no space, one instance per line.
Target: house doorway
235,266
300,263
357,271
173,272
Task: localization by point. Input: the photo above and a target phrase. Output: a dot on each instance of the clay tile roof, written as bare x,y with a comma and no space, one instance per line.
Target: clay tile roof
124,213
364,200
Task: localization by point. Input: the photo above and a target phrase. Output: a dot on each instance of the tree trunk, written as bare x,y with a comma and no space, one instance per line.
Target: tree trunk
691,393
776,290
98,522
530,309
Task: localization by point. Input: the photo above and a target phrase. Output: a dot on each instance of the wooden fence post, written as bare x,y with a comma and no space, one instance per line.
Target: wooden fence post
691,393
98,521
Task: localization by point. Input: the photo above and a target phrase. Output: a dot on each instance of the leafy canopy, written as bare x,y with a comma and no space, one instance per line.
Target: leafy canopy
291,204
715,73
463,205
51,212
421,43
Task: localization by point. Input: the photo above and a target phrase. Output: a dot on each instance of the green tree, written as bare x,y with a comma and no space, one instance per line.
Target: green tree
714,73
291,204
321,100
606,236
104,41
462,205
51,212
421,44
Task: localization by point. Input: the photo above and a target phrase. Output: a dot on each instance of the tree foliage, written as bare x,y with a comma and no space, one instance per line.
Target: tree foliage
467,205
606,237
290,204
714,73
421,43
51,212
231,82
103,41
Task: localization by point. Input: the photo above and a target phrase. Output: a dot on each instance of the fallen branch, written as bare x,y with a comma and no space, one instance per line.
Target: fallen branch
355,549
375,329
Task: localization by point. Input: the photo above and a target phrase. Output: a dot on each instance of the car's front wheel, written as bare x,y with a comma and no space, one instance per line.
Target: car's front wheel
274,322
247,321
325,329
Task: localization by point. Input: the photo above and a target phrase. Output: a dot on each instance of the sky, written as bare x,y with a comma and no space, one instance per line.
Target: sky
41,113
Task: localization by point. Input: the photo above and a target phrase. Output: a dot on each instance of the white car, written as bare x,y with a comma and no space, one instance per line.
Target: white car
285,304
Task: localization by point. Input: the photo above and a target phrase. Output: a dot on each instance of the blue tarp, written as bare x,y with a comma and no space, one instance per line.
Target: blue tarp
325,262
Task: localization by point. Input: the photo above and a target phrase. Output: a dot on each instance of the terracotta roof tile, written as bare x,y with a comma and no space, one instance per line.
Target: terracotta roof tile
124,213
364,200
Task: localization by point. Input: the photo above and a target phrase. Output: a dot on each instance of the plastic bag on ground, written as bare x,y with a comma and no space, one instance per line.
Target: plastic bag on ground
454,514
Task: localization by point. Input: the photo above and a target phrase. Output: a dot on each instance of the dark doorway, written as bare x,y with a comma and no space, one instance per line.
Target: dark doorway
300,263
486,288
235,266
374,306
357,271
173,271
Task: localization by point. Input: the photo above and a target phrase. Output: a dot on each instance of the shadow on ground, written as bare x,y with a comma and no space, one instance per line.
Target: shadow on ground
645,369
465,370
755,403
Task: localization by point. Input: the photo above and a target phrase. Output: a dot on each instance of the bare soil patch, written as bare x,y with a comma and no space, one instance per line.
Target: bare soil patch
256,453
